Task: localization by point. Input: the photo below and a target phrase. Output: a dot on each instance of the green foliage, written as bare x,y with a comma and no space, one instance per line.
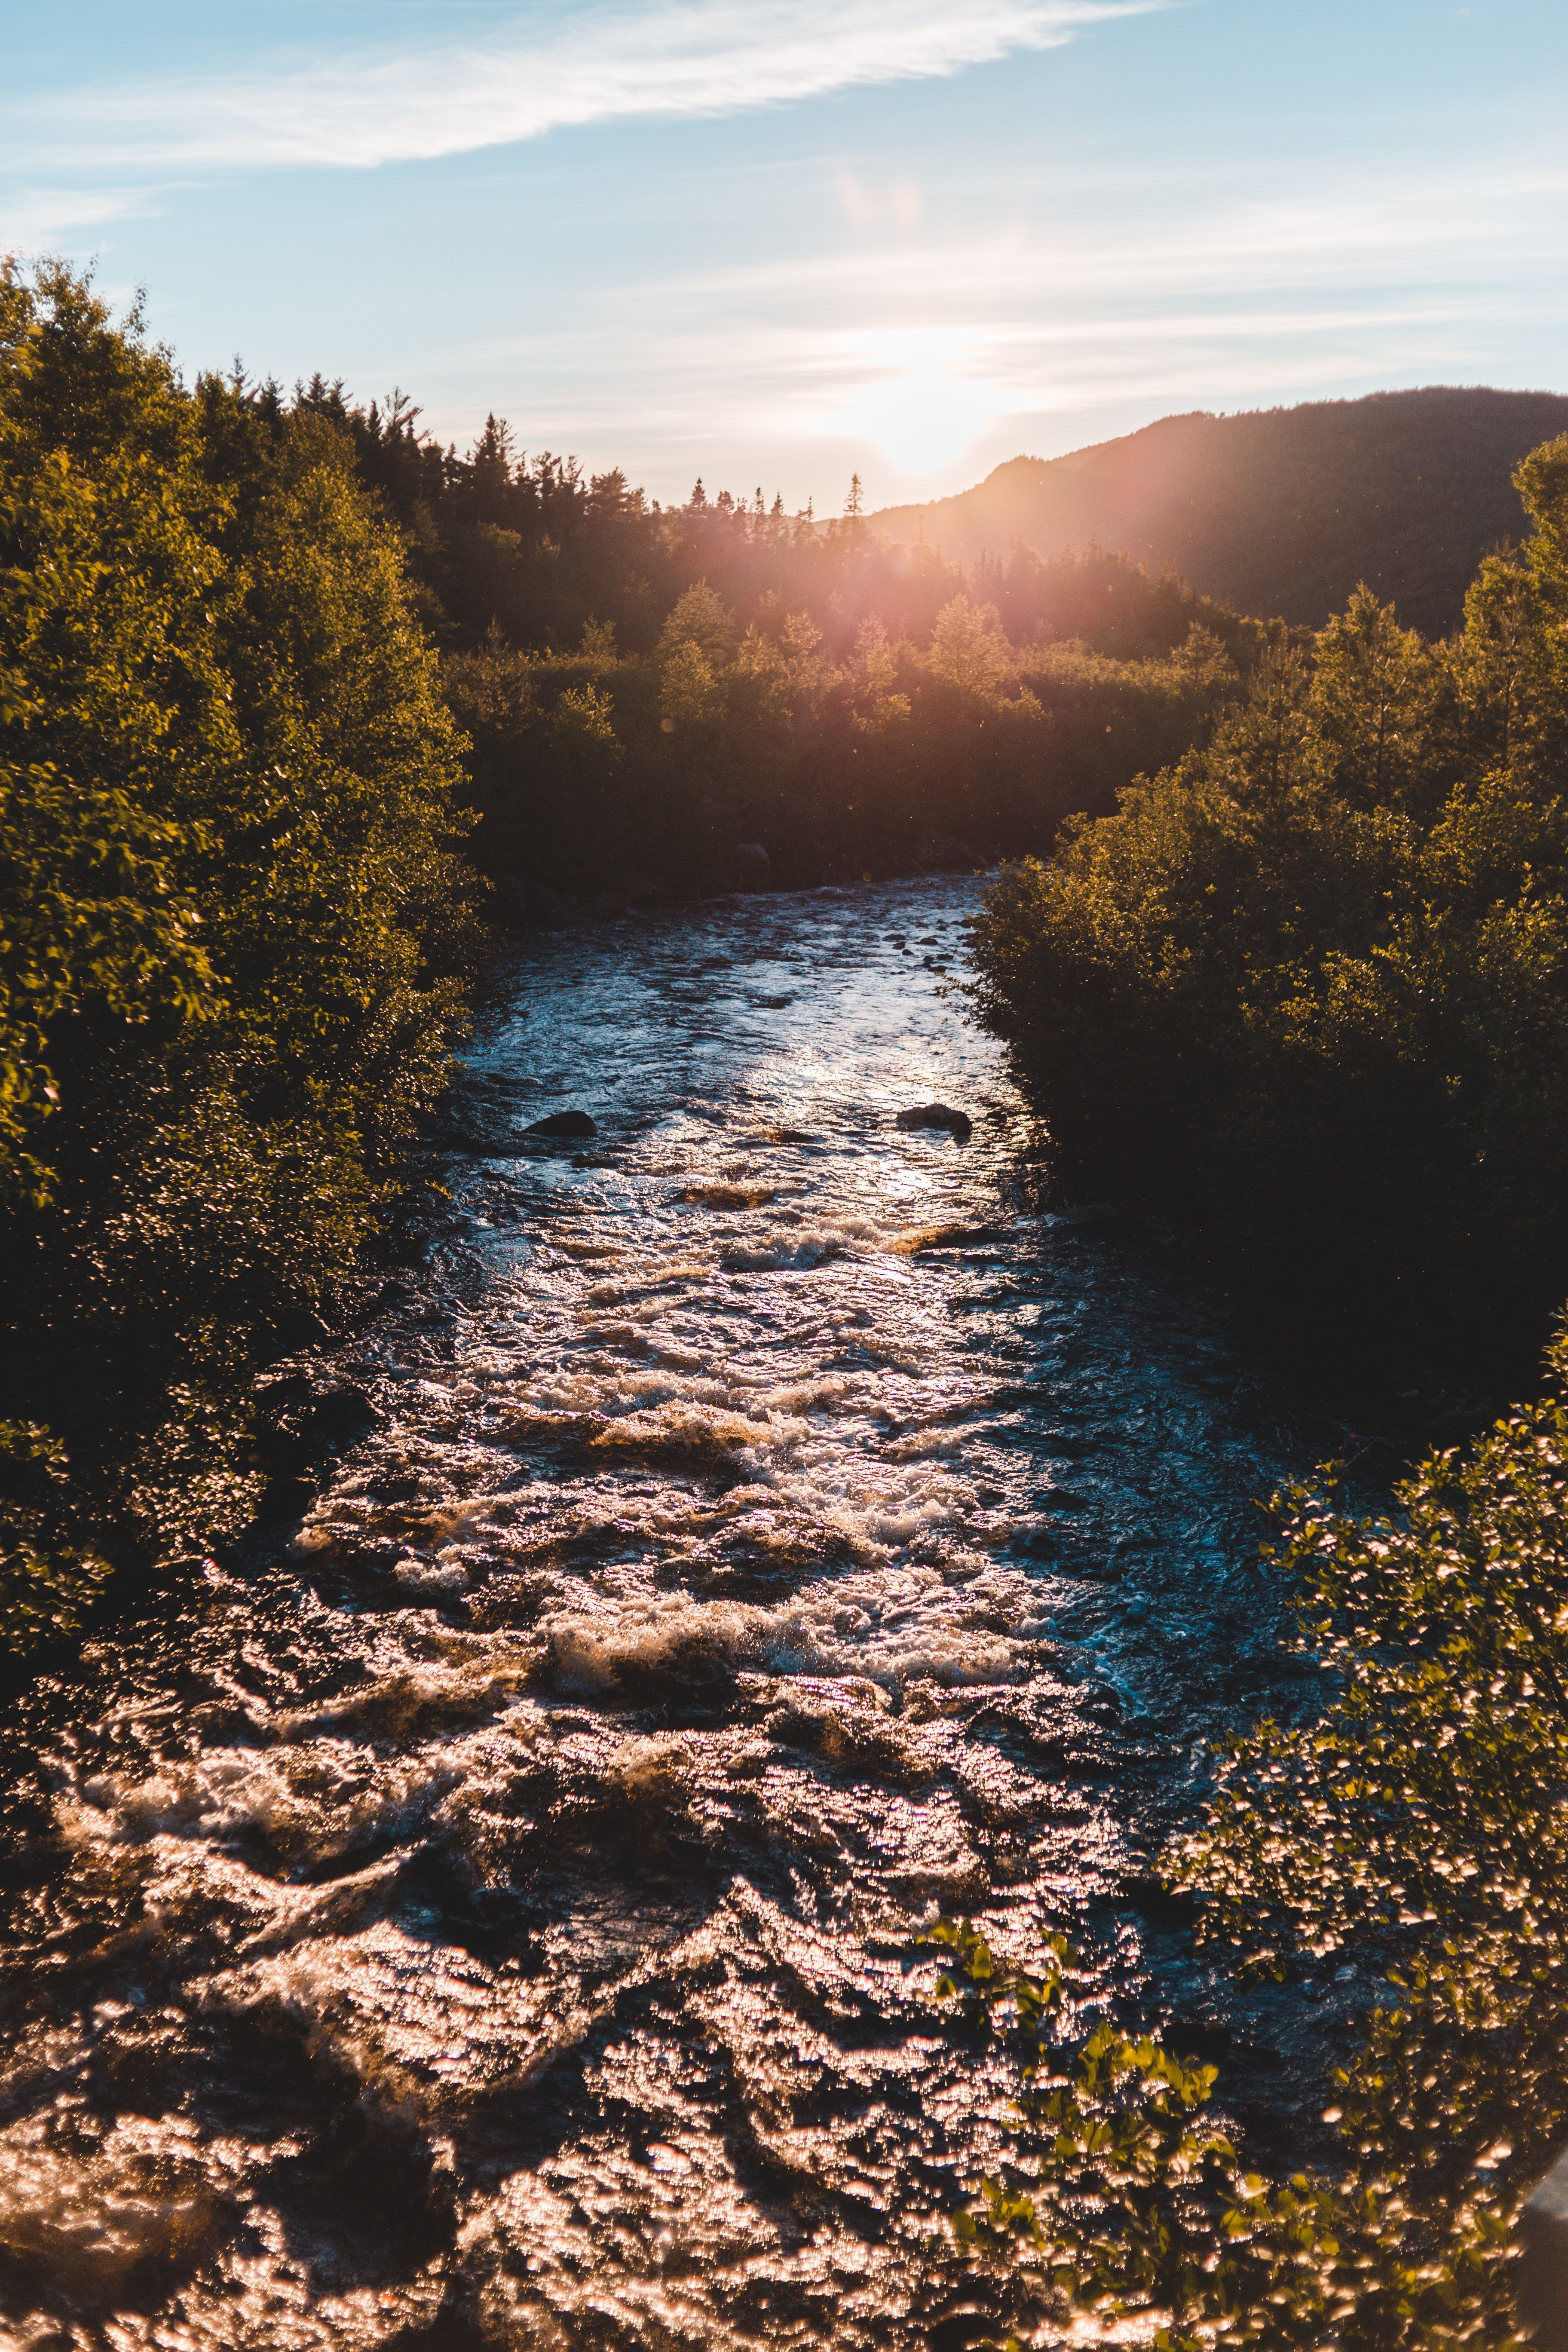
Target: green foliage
1127,2205
1412,1826
106,648
231,925
1312,978
46,1577
838,758
856,709
1415,1823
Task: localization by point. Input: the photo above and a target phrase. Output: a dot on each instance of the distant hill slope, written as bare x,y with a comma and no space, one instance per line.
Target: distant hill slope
1281,511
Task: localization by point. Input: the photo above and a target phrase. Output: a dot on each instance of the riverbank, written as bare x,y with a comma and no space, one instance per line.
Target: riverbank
487,1900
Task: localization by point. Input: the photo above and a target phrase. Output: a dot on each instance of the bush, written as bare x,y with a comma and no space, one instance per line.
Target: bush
1311,981
233,928
1413,1826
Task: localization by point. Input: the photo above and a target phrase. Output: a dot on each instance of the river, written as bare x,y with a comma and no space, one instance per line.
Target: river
484,1912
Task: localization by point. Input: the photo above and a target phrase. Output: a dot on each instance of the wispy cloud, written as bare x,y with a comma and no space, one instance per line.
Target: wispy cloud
42,220
1020,335
696,58
1156,240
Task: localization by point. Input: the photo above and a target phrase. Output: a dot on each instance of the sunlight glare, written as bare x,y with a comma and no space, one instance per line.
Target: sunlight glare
921,420
919,396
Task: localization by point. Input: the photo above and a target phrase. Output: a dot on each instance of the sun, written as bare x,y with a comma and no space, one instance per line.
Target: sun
922,419
919,395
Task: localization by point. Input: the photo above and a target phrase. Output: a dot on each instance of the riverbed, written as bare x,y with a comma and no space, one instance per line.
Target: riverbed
484,1910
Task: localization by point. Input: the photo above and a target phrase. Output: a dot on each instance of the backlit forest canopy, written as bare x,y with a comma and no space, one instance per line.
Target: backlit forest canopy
644,687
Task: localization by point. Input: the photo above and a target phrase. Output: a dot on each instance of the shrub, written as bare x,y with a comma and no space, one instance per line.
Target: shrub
1412,1826
1311,981
231,924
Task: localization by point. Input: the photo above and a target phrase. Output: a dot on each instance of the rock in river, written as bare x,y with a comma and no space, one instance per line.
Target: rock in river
951,1122
564,1124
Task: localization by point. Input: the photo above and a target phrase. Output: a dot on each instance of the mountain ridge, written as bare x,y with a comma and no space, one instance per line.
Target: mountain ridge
1276,510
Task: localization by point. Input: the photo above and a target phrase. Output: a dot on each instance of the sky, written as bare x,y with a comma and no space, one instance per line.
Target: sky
776,242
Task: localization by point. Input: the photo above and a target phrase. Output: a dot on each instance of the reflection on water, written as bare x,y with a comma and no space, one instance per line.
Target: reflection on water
482,1914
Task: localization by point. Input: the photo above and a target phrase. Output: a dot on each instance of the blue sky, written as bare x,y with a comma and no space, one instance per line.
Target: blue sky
774,241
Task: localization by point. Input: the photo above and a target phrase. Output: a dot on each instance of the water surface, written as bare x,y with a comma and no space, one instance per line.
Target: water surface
485,1912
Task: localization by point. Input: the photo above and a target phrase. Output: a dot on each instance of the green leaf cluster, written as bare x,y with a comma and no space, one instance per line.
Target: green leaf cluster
1411,1828
1129,2210
1311,981
232,927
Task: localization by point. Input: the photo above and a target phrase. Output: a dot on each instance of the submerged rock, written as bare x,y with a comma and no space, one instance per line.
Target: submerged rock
938,1115
304,1419
564,1125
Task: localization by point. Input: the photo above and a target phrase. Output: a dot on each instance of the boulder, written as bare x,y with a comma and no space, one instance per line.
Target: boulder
753,868
563,1126
938,1115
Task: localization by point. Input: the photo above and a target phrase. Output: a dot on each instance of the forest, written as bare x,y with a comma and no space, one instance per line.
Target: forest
301,712
304,719
1309,981
644,689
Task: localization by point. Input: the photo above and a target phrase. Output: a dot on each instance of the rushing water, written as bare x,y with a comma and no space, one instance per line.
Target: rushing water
484,1913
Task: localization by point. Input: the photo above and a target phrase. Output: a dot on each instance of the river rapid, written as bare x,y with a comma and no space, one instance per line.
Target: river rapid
484,1911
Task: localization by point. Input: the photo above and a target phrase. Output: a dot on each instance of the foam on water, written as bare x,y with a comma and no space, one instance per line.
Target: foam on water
483,1912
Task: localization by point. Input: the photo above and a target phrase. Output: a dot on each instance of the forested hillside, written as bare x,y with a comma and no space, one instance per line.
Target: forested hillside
1282,510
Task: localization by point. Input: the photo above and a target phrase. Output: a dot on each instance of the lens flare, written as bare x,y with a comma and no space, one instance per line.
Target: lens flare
920,395
921,420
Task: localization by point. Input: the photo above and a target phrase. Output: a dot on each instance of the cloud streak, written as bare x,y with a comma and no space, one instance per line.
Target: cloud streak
1224,300
696,58
42,220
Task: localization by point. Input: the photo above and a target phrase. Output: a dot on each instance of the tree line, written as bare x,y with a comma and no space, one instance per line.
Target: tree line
295,706
235,925
644,687
1310,981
